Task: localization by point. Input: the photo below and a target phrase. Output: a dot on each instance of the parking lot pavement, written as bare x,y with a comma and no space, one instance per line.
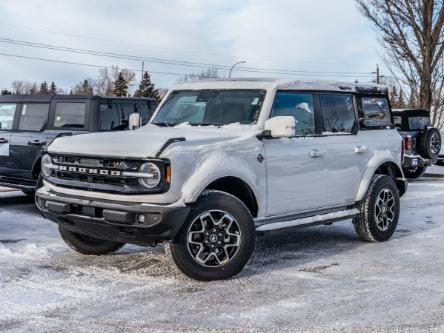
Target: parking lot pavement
321,279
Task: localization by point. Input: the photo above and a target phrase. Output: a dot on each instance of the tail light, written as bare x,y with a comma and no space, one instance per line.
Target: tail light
408,142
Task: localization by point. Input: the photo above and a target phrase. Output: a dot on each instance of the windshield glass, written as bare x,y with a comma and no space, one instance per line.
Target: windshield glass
210,107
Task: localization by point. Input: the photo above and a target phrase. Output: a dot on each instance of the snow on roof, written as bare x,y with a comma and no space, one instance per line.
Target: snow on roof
283,84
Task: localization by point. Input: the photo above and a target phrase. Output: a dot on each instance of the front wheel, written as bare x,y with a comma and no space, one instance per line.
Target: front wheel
413,173
217,240
379,211
88,245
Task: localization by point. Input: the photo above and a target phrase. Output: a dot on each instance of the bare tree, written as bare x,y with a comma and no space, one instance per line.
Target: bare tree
205,74
104,85
411,33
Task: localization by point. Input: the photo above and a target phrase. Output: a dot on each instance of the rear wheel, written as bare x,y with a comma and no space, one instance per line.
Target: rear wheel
379,211
217,240
88,245
413,173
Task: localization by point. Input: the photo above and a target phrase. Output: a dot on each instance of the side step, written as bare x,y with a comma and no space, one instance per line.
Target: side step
310,221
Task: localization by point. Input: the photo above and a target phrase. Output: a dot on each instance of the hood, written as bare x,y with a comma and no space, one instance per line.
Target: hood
146,141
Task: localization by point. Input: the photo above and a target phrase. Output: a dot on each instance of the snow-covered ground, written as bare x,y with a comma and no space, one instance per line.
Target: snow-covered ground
319,279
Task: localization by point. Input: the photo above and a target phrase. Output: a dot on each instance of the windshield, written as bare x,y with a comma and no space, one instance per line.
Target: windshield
210,107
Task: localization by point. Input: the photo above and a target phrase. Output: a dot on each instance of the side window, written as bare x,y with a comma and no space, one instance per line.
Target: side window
376,112
297,105
116,118
70,115
338,112
146,111
7,113
34,117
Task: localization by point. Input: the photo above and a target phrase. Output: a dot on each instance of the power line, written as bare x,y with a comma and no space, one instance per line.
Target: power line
180,62
76,63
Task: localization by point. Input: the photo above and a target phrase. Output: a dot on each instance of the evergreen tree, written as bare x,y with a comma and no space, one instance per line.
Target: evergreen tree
401,101
6,92
412,101
147,88
84,88
44,88
394,98
120,86
53,88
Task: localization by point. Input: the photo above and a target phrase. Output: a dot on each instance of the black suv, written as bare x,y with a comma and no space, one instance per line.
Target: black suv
29,122
422,142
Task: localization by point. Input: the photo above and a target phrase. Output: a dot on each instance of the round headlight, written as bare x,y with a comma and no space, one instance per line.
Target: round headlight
46,165
153,175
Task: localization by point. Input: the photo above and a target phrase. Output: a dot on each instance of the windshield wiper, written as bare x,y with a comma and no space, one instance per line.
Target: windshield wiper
164,124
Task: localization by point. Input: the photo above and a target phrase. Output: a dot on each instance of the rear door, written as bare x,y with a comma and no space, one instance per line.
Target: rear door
347,148
29,139
7,116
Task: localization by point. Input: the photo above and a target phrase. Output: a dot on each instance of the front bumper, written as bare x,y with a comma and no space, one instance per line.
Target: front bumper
139,224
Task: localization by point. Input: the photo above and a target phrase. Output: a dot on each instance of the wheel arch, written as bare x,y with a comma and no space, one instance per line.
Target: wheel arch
385,167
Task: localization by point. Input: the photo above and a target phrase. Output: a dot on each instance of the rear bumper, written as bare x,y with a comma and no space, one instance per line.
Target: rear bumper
139,224
414,161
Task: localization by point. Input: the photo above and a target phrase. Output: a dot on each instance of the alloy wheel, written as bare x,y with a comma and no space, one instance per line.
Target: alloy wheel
213,238
385,209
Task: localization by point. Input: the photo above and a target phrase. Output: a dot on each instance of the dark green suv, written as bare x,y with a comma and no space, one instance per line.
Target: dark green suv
29,122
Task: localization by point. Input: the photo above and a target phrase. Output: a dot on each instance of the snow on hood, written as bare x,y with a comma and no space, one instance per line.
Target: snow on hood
146,141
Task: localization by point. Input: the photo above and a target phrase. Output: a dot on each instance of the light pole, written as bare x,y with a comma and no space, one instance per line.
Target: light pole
232,67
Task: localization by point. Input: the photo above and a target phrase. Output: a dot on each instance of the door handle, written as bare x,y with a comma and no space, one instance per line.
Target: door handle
3,140
36,143
361,149
316,153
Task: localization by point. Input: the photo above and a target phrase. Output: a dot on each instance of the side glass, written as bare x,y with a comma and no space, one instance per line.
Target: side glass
34,117
338,112
300,106
70,115
7,113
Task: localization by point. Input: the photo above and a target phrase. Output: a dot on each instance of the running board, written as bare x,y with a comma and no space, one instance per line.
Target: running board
312,220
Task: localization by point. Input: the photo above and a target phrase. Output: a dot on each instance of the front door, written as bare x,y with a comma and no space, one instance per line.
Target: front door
296,167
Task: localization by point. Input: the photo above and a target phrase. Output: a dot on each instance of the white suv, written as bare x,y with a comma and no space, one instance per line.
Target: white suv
223,160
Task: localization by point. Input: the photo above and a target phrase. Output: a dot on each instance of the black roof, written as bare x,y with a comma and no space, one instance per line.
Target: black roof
411,112
47,98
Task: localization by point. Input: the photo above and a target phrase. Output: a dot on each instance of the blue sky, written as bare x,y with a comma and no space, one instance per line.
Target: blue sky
320,36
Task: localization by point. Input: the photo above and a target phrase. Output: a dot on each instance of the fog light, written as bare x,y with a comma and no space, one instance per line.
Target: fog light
141,218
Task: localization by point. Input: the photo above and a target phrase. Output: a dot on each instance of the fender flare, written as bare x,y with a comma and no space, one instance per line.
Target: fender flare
372,168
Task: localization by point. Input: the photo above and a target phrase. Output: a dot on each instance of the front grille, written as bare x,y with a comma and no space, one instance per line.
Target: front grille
100,174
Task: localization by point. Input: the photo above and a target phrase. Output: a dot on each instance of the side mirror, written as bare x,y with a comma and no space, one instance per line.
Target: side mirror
134,121
281,126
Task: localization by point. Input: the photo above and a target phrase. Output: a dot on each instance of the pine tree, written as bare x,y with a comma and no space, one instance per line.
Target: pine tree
394,98
120,86
6,92
53,88
401,100
44,88
147,88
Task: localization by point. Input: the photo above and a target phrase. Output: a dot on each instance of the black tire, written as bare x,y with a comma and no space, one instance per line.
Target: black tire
88,245
413,173
366,224
429,143
223,206
38,184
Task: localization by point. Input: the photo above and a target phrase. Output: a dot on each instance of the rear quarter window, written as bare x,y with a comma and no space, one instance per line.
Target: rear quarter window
376,112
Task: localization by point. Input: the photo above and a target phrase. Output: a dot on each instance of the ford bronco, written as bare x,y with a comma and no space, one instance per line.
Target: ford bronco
422,141
222,161
29,122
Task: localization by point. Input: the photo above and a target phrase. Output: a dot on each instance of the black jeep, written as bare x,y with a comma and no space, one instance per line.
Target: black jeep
29,122
422,142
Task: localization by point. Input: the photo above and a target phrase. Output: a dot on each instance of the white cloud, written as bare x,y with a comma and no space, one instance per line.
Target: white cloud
316,35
